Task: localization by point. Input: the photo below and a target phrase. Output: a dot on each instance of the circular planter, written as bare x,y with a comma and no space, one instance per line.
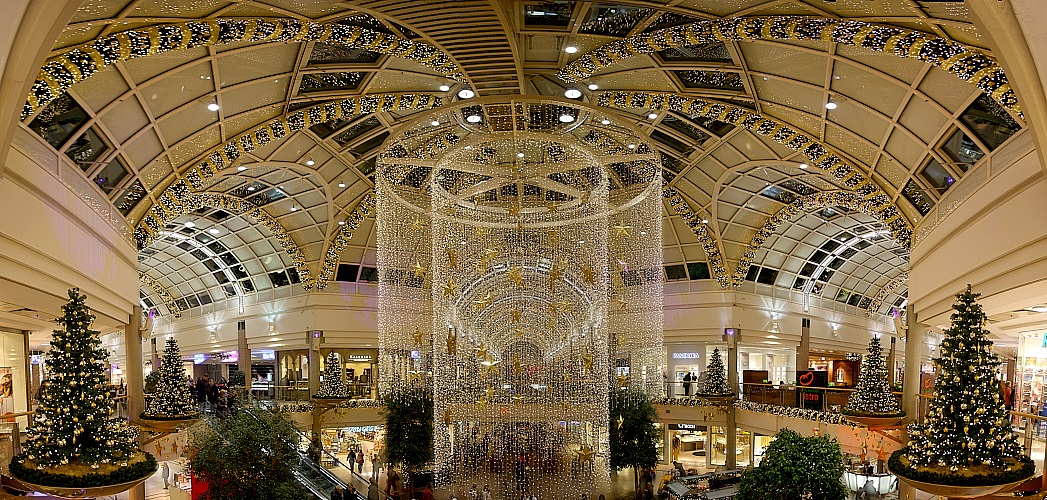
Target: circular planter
948,491
876,422
165,425
87,492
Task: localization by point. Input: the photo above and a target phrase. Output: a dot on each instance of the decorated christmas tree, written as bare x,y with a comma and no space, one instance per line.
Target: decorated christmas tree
73,442
716,377
966,438
172,399
332,386
872,395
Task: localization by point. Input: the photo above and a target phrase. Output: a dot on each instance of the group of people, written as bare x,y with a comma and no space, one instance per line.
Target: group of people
211,396
690,380
350,492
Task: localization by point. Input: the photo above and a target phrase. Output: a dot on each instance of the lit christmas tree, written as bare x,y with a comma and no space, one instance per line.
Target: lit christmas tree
172,399
966,438
872,395
72,428
716,378
332,386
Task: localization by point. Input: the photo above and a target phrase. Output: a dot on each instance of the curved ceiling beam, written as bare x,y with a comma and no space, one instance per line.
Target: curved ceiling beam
887,289
161,292
803,204
341,239
874,201
63,71
169,202
968,64
717,264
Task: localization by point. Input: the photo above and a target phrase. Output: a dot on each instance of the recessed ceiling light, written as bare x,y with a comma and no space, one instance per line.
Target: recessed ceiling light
213,230
250,188
212,106
241,168
652,115
519,155
572,93
310,162
803,166
593,86
830,105
190,224
570,49
605,121
473,118
566,118
294,208
643,233
581,242
466,94
444,88
705,221
435,123
341,223
465,243
341,184
467,148
1039,308
632,146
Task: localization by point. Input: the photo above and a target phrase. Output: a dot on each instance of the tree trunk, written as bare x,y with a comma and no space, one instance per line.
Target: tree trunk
636,483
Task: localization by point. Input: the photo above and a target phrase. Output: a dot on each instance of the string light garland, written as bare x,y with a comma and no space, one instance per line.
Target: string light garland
72,427
341,239
162,292
872,395
701,231
519,259
966,437
800,413
63,71
886,291
172,398
966,63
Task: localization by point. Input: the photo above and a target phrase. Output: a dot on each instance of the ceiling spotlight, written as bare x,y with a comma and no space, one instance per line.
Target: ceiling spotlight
803,166
250,188
294,208
652,116
435,123
566,118
341,223
213,230
474,118
572,93
830,105
519,155
190,224
593,86
466,94
241,168
570,49
310,162
605,121
212,106
444,88
632,146
341,184
705,221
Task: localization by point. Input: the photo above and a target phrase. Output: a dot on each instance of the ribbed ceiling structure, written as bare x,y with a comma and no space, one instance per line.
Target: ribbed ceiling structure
140,126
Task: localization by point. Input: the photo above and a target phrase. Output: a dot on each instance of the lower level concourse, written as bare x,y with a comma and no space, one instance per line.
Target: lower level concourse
523,249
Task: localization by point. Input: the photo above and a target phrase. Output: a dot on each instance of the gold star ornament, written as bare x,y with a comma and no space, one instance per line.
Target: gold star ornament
482,302
449,289
419,269
622,231
515,275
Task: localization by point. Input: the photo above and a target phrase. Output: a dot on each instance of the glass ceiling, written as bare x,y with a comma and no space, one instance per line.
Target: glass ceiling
134,127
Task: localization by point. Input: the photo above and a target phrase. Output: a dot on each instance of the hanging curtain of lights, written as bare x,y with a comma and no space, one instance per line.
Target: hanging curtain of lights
520,265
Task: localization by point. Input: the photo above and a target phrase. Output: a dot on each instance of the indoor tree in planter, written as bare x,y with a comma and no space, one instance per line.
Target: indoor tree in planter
872,397
796,467
171,399
631,433
332,386
966,439
73,443
408,427
716,379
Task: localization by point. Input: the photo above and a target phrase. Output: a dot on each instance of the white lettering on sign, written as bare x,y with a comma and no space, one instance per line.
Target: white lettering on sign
686,355
358,357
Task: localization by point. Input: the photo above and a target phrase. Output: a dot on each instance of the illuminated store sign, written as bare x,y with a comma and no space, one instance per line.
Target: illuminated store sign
686,355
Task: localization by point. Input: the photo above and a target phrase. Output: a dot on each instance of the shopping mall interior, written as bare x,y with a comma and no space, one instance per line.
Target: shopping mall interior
523,206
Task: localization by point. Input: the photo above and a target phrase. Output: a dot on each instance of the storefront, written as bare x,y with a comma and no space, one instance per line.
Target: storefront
684,362
366,439
718,447
14,383
688,445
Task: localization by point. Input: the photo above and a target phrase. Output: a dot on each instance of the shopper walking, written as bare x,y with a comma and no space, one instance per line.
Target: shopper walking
336,494
376,464
360,462
372,490
165,472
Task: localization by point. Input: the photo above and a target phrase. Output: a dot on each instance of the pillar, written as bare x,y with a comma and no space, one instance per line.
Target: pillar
135,379
314,339
730,452
914,340
803,351
243,362
892,373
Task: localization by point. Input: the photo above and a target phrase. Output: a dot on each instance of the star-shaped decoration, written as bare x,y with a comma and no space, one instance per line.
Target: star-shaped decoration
622,231
449,289
517,366
482,302
452,258
586,454
481,404
552,206
481,352
620,421
566,376
517,398
416,376
623,380
418,335
554,238
489,393
419,269
417,225
881,454
621,303
518,332
564,305
555,273
515,275
620,339
553,307
490,367
589,275
487,256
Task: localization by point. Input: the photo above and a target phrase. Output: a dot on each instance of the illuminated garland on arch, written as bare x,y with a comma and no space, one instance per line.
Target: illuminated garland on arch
63,71
341,239
962,61
717,264
161,292
887,289
803,204
171,203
